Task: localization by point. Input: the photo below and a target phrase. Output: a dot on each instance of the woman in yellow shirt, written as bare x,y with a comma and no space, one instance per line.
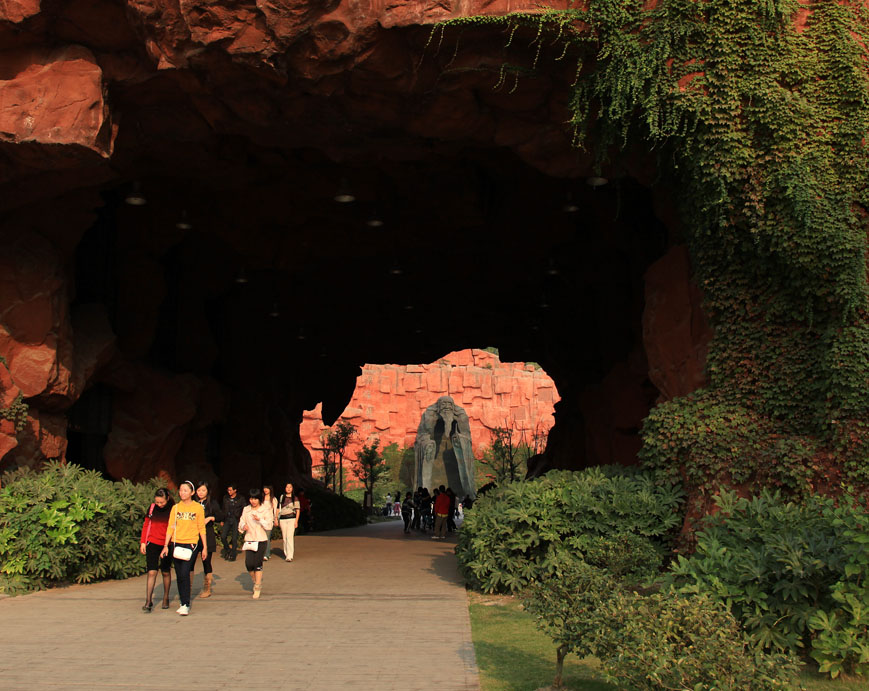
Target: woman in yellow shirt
187,530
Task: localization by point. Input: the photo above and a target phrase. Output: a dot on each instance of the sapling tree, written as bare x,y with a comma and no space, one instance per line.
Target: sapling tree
369,465
336,440
564,608
508,455
328,468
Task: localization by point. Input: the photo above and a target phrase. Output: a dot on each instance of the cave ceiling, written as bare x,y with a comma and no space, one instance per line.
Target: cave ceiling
246,121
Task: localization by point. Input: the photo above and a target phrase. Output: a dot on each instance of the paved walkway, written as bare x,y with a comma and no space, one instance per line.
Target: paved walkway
367,608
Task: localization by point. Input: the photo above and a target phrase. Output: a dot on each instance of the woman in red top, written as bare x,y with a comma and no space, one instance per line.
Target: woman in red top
151,544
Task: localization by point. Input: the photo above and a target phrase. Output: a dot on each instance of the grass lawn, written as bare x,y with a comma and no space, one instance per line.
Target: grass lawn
513,655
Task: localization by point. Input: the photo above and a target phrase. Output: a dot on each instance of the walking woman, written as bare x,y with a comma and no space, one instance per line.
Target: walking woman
270,501
187,530
151,545
213,513
288,514
257,521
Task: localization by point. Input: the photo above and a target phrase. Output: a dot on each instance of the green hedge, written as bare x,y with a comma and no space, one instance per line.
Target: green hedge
331,511
795,575
65,524
519,532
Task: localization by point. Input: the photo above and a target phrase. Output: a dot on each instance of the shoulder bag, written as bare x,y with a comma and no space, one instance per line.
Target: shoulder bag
181,553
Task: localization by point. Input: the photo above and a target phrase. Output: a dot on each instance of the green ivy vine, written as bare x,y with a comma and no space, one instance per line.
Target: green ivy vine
757,111
17,410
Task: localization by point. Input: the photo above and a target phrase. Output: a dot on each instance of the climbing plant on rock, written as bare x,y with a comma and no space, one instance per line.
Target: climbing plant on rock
757,111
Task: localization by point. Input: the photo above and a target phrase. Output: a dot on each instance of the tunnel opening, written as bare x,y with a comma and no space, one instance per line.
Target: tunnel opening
194,276
267,298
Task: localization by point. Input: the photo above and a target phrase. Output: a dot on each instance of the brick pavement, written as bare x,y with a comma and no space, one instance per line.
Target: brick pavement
366,608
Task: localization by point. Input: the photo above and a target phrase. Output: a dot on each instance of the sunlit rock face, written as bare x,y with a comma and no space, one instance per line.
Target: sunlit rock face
185,334
389,399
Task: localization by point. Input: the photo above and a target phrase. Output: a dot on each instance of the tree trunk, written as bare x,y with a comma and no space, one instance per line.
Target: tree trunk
559,665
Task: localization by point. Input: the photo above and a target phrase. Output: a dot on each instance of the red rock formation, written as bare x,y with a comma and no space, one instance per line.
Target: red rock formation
151,414
34,316
54,97
390,399
676,334
43,438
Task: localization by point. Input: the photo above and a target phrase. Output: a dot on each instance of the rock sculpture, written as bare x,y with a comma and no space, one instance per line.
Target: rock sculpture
444,420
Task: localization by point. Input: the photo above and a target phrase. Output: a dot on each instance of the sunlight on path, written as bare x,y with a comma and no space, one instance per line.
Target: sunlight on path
367,608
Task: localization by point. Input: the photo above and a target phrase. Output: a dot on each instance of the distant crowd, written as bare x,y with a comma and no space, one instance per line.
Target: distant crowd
180,533
423,511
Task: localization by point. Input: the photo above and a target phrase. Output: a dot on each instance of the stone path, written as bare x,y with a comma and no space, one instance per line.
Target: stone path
367,608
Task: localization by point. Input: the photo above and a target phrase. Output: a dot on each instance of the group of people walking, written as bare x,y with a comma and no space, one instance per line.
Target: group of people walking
180,533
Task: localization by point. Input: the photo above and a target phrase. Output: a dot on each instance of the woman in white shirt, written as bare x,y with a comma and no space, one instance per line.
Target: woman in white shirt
287,515
257,521
270,501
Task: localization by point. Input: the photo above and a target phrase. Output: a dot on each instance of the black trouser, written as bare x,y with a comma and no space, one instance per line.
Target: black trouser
253,561
406,517
416,516
230,527
183,569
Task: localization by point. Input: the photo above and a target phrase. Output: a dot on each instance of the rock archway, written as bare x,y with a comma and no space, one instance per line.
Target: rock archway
189,333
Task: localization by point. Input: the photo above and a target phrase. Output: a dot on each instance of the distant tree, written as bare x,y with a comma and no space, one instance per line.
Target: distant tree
399,461
507,457
329,468
369,465
336,440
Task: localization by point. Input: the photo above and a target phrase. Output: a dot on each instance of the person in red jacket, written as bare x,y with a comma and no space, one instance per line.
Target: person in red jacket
442,511
151,544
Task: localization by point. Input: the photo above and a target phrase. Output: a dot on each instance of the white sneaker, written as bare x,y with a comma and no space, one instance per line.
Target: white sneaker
183,610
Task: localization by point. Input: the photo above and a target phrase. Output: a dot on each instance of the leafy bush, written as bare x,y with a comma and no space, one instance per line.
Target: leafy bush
661,641
332,511
794,574
565,609
841,643
668,641
518,532
68,524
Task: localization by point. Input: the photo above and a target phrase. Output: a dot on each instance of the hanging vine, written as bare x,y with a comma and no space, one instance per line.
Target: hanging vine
757,110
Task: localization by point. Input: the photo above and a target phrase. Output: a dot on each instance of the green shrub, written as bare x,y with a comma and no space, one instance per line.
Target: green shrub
565,609
519,532
841,642
668,641
626,556
794,574
661,641
68,524
331,511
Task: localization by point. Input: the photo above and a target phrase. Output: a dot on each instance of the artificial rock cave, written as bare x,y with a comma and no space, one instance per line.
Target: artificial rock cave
125,328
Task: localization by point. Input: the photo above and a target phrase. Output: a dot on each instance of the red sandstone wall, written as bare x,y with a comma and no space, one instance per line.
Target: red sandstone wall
390,399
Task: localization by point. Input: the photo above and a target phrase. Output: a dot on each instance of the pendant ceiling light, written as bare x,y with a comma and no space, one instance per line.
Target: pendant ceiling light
596,181
344,195
183,222
552,269
275,312
135,197
569,206
241,277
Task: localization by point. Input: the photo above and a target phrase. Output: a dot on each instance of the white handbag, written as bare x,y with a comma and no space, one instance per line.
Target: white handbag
182,553
250,546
